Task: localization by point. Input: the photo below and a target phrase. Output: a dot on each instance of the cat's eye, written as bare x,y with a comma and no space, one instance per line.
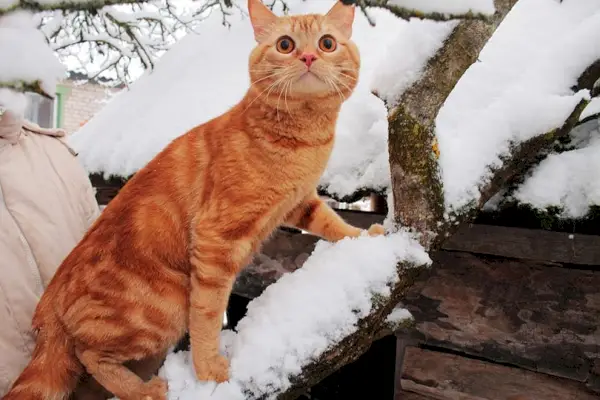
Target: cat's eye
285,45
327,44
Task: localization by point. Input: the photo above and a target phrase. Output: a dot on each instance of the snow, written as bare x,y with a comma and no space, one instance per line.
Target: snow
300,316
420,39
592,109
25,56
181,94
4,4
398,315
569,180
520,88
447,6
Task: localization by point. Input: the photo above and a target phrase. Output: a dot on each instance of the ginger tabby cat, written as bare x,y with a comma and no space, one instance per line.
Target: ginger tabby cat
163,256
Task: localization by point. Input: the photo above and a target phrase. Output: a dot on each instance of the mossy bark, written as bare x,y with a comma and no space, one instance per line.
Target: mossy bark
413,150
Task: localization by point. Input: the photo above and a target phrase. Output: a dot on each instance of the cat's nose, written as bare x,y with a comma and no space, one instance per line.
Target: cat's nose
308,59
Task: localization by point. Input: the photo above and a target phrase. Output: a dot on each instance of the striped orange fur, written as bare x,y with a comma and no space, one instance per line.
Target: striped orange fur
163,256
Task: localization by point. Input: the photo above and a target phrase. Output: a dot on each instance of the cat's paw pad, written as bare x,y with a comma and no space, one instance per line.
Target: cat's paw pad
376,230
212,369
155,389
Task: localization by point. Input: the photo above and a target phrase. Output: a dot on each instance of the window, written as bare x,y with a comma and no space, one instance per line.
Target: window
41,110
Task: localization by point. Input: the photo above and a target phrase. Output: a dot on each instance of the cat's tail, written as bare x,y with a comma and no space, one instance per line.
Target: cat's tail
53,371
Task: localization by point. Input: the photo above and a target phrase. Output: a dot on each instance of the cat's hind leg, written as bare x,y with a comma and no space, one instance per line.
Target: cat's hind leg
121,381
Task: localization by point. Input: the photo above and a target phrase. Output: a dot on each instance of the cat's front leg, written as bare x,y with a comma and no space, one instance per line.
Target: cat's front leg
215,263
315,216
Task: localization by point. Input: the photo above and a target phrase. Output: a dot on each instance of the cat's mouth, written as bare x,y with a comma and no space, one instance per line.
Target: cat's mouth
309,75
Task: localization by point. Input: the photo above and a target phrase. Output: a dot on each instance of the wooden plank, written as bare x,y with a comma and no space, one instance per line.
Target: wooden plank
527,244
105,194
531,315
451,377
283,253
404,395
402,343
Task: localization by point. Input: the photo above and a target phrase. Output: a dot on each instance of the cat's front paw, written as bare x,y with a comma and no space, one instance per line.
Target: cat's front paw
155,389
376,230
212,369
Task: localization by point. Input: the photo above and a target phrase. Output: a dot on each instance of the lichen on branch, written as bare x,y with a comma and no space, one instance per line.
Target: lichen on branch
416,182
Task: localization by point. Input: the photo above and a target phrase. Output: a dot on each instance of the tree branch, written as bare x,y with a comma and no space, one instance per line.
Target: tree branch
21,86
588,118
589,78
65,5
418,195
407,13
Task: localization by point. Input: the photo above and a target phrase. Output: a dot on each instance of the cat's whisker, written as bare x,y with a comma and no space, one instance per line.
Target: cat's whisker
335,71
281,81
337,88
261,93
288,87
334,88
347,76
276,73
279,98
342,83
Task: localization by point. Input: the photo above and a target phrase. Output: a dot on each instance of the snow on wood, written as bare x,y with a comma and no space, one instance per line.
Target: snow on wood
26,61
178,95
300,317
593,109
520,88
454,7
407,55
568,180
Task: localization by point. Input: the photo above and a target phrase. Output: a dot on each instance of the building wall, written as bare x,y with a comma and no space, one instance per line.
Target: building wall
81,102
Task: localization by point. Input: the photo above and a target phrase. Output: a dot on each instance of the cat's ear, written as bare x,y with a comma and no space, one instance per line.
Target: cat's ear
342,17
261,17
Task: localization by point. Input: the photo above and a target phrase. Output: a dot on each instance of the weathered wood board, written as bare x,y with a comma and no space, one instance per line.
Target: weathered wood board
539,317
450,377
527,244
287,251
284,252
403,395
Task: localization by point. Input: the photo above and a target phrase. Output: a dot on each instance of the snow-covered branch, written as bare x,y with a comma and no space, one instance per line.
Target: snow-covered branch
65,5
590,79
413,148
406,10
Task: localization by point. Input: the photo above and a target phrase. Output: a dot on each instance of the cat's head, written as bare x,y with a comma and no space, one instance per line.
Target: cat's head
303,57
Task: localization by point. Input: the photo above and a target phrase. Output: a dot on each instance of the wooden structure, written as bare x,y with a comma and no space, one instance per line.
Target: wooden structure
504,313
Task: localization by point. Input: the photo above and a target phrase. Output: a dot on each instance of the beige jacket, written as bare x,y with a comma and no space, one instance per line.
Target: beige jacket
46,205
